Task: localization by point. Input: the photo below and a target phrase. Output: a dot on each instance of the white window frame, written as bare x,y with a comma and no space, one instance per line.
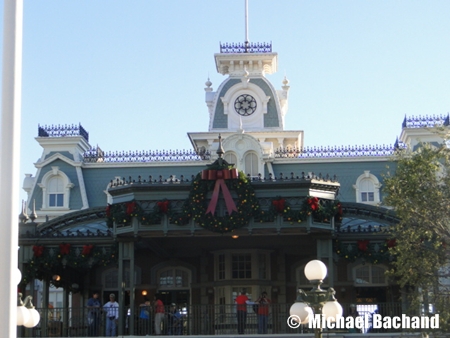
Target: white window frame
67,185
255,263
174,286
254,163
359,189
231,158
370,266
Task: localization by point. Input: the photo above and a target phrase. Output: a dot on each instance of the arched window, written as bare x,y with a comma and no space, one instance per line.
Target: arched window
231,158
55,185
367,188
251,164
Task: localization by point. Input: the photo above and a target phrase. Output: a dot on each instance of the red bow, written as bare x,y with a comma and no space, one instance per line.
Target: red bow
363,245
64,249
131,206
279,205
87,249
220,176
339,209
391,243
313,203
163,206
38,250
108,210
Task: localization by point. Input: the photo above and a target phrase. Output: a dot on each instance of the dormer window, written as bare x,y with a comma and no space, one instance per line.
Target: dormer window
367,188
55,185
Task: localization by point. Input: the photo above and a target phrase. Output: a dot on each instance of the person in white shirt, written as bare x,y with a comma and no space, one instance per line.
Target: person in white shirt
112,315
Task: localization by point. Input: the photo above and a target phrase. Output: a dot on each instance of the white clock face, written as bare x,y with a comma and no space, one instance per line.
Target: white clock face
245,105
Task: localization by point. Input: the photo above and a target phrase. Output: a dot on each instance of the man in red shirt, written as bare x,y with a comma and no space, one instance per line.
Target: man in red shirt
263,313
159,313
241,307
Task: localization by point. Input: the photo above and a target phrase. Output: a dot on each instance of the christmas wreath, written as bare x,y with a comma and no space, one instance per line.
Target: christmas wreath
215,181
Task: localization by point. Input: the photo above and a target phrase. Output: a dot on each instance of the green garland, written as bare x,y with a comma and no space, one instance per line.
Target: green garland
122,213
51,261
248,207
372,252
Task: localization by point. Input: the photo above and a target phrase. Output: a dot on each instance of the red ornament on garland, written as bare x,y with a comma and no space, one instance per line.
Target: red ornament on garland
163,206
38,250
391,243
64,248
363,245
87,249
279,205
313,203
131,206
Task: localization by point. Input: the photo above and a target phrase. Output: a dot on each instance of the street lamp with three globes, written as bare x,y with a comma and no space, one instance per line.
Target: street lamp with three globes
316,301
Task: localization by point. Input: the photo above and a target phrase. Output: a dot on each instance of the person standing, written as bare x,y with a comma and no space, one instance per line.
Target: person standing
159,313
241,311
263,313
144,318
94,305
175,321
112,315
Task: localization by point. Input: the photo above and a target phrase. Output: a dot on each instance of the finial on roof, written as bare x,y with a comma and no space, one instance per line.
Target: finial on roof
285,83
33,215
220,150
208,84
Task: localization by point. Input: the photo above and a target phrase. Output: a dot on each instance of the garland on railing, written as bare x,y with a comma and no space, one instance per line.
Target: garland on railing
373,252
196,207
122,213
53,260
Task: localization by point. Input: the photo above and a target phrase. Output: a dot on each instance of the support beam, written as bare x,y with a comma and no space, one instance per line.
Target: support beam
10,162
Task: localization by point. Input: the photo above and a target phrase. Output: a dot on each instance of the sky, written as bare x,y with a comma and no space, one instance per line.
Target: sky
133,72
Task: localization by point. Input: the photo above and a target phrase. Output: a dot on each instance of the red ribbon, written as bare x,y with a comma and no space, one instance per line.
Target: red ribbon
163,206
87,249
220,176
279,205
391,243
363,245
130,207
108,210
38,250
313,203
64,249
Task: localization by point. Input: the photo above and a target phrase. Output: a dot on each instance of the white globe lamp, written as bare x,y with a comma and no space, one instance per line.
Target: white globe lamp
23,315
33,319
302,311
315,270
332,310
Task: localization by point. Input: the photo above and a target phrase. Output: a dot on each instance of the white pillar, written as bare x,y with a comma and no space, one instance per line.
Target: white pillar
10,162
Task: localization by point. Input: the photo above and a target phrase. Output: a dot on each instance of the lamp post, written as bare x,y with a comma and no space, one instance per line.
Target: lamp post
316,301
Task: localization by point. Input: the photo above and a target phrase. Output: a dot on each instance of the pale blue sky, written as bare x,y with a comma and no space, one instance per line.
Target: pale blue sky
132,72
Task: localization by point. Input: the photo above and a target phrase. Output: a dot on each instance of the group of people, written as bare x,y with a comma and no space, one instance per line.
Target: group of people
111,309
152,317
260,306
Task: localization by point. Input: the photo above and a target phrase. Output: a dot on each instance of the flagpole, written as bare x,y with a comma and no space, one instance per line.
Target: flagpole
10,162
